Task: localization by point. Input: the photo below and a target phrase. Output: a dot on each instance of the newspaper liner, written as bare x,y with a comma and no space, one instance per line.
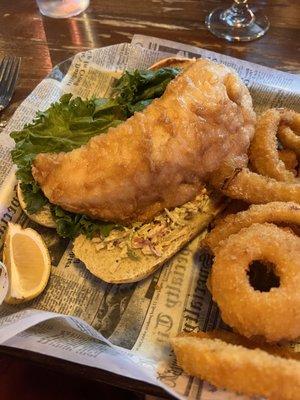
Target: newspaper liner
126,328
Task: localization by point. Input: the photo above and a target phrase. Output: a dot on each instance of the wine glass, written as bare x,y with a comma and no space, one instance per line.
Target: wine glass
62,8
237,22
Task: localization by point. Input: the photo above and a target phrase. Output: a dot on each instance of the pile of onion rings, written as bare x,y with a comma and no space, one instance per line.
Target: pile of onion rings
274,156
255,277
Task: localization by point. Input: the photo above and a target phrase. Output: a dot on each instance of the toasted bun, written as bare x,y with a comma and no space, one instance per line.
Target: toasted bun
173,62
107,264
230,365
42,217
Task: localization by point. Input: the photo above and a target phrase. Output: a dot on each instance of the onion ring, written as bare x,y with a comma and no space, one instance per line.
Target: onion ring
285,351
241,369
289,158
289,131
274,315
258,189
275,212
264,155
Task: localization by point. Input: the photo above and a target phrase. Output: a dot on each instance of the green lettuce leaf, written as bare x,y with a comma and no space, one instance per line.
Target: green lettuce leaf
70,123
71,225
33,196
136,89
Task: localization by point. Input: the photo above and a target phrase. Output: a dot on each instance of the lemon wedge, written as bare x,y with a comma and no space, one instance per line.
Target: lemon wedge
28,264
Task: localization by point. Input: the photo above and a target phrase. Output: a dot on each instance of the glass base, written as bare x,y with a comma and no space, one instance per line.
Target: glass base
216,24
62,8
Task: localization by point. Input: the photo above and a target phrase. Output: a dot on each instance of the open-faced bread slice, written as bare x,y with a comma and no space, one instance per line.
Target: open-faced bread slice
132,254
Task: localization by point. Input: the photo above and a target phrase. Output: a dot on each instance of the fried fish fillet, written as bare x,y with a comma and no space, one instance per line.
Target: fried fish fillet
159,157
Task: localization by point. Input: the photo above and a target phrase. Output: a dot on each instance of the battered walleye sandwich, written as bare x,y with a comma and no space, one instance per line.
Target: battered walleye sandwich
147,174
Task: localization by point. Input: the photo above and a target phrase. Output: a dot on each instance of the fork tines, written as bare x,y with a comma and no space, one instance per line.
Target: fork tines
9,70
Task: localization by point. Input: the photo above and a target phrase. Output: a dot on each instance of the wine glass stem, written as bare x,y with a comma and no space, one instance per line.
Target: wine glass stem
238,15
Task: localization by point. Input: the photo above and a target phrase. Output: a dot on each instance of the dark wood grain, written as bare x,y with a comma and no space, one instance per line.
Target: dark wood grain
43,42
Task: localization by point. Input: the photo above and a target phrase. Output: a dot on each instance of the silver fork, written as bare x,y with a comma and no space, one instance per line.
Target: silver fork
9,70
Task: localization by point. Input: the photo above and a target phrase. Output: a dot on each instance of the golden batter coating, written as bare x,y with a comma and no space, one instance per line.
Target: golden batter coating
234,367
159,157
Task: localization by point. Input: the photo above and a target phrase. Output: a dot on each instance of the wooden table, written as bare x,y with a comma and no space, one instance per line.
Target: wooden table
43,42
